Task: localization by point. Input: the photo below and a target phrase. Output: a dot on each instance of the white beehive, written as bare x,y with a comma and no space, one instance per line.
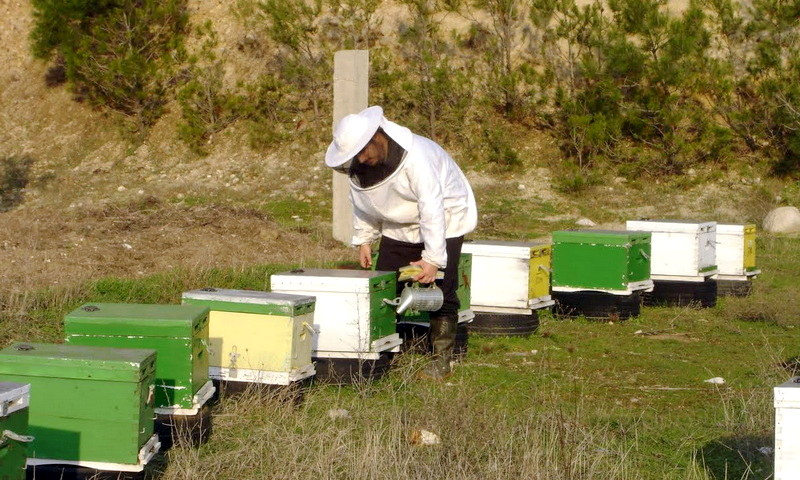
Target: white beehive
351,318
680,250
508,276
736,251
787,426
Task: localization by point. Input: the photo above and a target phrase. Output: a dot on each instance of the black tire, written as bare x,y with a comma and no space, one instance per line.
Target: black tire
185,430
597,305
734,288
347,371
504,324
672,293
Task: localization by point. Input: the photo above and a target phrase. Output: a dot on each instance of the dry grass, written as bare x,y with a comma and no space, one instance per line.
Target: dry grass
271,438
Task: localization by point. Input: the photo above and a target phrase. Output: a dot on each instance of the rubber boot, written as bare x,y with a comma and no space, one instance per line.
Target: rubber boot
443,339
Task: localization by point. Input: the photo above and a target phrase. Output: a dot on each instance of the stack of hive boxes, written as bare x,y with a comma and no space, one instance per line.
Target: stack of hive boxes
262,338
684,261
354,324
600,273
90,406
179,335
510,283
736,259
14,439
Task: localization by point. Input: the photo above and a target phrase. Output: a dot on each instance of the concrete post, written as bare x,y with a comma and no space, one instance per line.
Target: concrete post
350,95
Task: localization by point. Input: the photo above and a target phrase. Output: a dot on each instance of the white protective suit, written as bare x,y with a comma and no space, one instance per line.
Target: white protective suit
425,200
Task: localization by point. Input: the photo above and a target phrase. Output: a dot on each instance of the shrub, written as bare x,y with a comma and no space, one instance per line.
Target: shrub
206,105
14,177
117,54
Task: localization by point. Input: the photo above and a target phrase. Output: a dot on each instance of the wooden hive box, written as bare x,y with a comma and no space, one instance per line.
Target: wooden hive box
616,262
90,406
350,317
787,424
681,250
14,439
179,333
260,337
736,251
509,277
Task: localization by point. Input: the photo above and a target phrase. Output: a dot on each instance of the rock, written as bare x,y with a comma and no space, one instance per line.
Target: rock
782,220
585,222
424,437
716,381
338,413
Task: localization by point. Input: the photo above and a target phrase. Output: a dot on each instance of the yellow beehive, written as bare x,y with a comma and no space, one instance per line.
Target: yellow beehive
259,337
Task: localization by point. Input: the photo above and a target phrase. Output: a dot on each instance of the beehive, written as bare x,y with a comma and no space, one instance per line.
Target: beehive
681,250
616,262
350,317
179,333
736,251
90,406
787,424
14,439
509,276
260,337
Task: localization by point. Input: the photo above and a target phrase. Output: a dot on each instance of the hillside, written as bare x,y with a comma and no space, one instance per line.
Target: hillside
97,202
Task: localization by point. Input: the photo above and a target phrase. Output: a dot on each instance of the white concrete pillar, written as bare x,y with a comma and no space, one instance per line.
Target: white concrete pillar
350,95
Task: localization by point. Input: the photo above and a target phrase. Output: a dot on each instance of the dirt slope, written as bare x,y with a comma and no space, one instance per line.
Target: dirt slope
97,204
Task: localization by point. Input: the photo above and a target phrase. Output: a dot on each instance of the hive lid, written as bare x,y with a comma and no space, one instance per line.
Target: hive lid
76,362
136,319
251,301
604,237
500,248
12,391
332,280
787,394
671,226
733,228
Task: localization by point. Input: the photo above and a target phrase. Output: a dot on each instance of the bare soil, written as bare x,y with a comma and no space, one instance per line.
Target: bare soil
39,250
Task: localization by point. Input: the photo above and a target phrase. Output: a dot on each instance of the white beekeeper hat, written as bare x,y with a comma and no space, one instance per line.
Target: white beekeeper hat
351,134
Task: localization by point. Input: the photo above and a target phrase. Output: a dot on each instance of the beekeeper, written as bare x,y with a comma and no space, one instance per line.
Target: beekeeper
409,193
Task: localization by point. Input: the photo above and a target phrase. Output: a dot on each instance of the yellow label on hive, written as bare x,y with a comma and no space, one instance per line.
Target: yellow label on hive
749,246
259,342
539,273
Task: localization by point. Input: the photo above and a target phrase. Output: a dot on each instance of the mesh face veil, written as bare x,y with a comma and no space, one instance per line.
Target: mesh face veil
345,167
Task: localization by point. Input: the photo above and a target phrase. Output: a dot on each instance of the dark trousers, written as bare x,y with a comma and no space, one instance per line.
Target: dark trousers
394,254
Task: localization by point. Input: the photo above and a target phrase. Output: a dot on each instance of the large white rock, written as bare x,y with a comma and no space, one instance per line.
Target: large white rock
782,220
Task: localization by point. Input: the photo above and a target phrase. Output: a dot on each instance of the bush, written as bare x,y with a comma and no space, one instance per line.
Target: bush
117,54
207,106
14,177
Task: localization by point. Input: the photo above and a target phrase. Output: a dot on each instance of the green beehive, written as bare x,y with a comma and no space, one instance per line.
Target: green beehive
601,260
179,333
90,406
14,398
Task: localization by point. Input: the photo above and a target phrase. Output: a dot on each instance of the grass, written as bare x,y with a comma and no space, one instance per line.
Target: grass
577,400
